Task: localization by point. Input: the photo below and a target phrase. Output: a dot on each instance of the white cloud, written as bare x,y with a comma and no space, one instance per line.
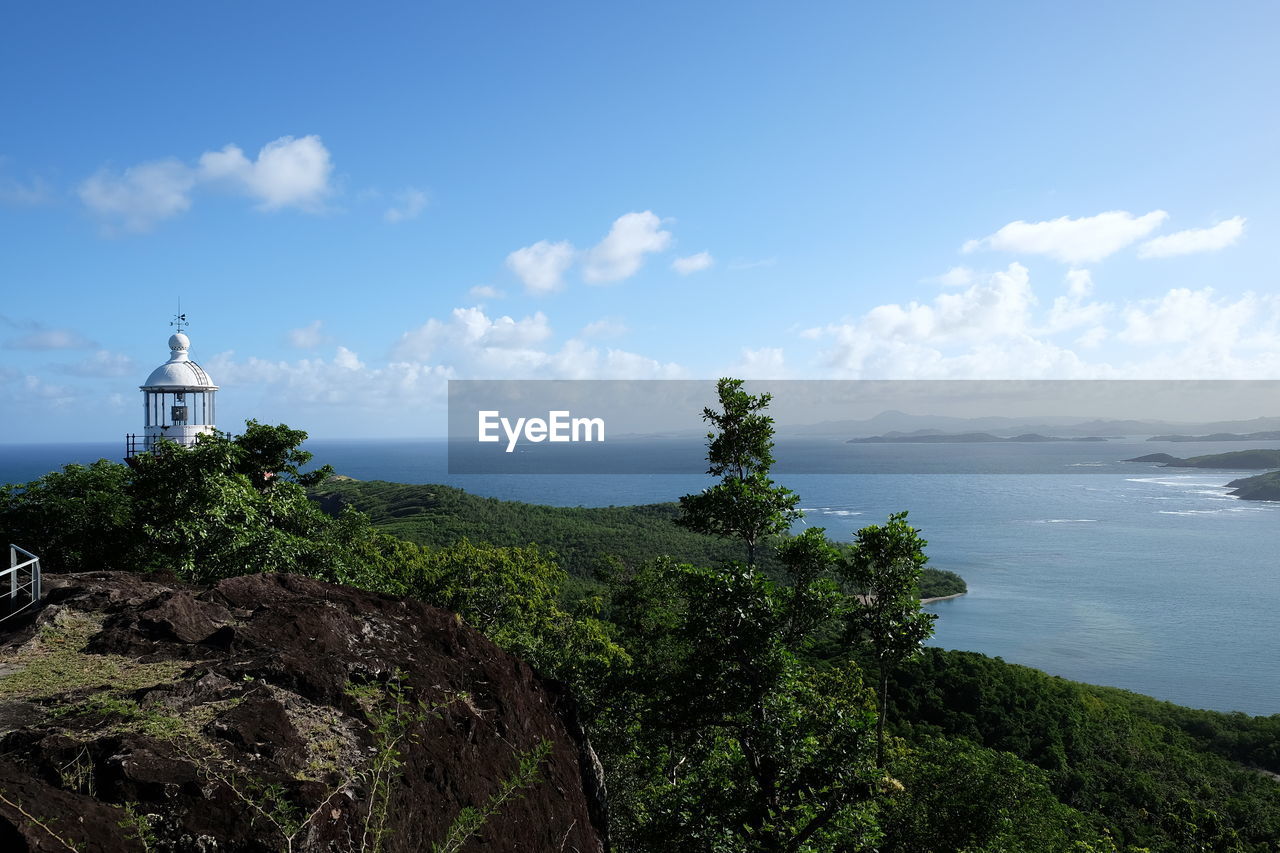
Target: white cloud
410,388
1224,234
484,291
603,328
578,360
620,364
310,336
58,396
410,203
343,381
992,330
1079,283
470,330
347,360
956,277
985,330
990,308
140,196
621,253
102,364
1084,240
1093,338
763,363
49,339
542,266
1072,312
31,193
693,263
1184,316
472,344
288,172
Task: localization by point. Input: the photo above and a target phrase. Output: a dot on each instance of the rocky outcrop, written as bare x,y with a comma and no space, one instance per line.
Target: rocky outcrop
1263,487
274,712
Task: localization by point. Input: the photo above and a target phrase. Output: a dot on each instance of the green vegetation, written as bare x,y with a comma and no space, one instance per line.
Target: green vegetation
587,542
745,504
1263,487
884,567
1155,775
471,820
940,583
53,663
784,706
1234,459
234,505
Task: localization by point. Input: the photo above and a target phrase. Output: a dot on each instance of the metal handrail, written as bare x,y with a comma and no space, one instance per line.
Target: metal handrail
32,565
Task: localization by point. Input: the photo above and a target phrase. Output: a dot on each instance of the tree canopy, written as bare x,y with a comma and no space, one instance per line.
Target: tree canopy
745,504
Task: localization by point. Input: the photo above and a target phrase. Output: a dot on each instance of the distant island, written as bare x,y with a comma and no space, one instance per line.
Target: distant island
935,437
1261,487
1234,459
1269,435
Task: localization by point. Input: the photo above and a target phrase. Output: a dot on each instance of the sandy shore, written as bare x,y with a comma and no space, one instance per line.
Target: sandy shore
940,598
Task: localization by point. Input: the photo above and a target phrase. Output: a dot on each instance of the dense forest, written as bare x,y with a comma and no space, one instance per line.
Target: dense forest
587,541
782,702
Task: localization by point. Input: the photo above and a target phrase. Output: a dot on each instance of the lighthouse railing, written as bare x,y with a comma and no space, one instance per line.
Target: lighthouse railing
31,566
135,444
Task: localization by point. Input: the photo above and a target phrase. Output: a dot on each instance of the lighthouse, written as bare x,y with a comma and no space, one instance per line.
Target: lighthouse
177,398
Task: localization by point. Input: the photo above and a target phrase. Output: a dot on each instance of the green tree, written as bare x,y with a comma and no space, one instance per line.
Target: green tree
883,570
957,796
269,454
227,505
721,736
745,504
512,595
78,519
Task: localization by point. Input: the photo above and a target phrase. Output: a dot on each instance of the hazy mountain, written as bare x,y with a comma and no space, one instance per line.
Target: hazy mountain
901,423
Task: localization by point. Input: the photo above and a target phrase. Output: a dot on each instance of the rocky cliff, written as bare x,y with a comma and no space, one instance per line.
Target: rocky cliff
273,712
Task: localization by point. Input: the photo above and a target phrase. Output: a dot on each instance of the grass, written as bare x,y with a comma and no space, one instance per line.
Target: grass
54,663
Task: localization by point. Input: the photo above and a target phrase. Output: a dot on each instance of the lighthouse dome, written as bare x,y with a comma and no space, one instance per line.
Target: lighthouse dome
179,372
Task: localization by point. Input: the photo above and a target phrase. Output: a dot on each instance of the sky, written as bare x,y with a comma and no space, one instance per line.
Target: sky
355,204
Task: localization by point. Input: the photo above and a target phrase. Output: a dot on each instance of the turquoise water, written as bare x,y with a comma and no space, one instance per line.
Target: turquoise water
1122,574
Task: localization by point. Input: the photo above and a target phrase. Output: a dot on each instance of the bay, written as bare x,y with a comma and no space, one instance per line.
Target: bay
1122,574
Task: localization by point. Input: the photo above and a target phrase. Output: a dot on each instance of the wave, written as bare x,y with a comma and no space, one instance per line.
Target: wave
1173,481
826,510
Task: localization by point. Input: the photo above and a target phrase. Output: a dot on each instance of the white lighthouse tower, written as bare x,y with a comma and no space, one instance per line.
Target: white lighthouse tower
177,399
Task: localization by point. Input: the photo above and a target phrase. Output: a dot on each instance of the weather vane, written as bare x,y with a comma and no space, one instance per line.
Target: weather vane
180,319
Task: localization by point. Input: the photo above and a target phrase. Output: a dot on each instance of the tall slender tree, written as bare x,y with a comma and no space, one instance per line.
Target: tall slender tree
884,571
745,504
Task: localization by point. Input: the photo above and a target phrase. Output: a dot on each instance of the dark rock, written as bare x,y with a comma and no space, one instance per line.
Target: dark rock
261,720
1154,457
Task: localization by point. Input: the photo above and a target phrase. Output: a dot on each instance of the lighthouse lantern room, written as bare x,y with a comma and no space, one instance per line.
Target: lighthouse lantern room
178,399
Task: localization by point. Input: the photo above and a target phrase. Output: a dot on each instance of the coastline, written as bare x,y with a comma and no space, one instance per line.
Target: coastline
941,597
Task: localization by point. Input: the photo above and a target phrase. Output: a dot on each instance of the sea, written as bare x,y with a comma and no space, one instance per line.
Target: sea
1125,574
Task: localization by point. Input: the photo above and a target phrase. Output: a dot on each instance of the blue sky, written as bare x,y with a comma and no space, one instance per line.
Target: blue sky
355,205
